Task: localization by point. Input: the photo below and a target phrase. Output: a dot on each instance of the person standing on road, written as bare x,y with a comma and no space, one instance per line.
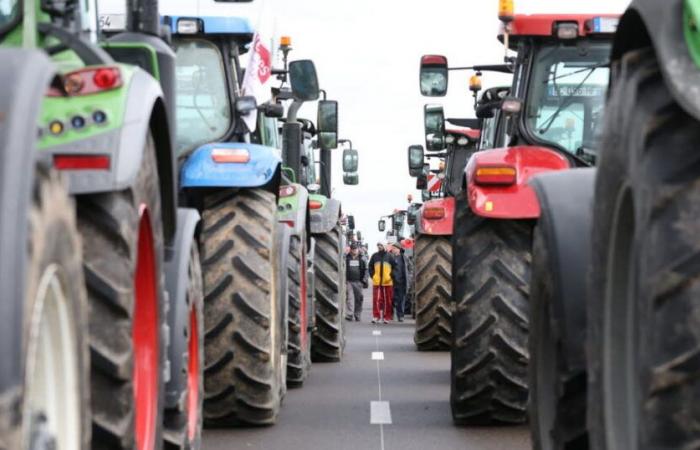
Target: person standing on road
356,272
380,267
400,278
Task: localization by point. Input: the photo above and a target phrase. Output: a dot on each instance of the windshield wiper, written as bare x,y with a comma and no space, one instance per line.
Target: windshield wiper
575,72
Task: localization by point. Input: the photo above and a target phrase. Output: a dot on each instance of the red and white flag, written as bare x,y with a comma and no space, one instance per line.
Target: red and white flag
257,77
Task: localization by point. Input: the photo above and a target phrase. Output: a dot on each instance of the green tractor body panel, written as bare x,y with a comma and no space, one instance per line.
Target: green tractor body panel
325,218
691,28
293,209
65,109
149,60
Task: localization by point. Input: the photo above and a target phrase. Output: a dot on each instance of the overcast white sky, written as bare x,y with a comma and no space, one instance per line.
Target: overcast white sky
367,55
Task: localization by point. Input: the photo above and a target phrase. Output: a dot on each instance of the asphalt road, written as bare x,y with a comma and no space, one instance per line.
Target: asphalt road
334,408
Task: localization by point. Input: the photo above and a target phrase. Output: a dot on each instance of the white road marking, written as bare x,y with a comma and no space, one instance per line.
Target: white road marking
378,356
380,413
376,333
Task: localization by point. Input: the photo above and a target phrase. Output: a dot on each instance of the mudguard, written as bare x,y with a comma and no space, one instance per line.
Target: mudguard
201,171
661,23
325,218
439,226
176,277
28,72
566,199
143,112
517,201
293,209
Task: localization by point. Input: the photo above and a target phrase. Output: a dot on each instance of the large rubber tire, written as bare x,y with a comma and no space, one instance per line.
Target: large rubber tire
242,358
299,346
53,256
183,425
328,340
433,278
557,394
644,315
109,224
491,267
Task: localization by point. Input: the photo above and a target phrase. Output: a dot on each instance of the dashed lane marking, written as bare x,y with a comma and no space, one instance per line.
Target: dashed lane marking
380,413
378,356
376,333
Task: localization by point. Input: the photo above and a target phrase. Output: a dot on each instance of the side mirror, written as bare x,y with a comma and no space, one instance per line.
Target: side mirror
304,81
272,110
246,104
351,160
328,124
351,222
415,160
433,76
382,225
434,123
351,179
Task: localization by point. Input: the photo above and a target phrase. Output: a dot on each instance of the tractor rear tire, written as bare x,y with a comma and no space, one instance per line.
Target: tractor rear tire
433,297
558,395
122,234
299,346
491,267
643,315
242,354
183,425
328,339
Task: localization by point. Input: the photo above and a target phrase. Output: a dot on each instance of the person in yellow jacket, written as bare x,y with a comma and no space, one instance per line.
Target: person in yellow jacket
380,267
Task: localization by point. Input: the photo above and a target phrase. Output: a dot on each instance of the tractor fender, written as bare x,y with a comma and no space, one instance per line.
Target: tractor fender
438,226
144,112
661,24
294,215
516,201
325,219
201,171
176,278
566,199
29,72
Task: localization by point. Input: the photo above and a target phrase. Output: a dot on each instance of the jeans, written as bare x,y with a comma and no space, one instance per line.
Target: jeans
354,299
399,299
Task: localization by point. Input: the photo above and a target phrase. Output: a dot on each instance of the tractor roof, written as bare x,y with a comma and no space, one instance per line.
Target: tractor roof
544,25
216,25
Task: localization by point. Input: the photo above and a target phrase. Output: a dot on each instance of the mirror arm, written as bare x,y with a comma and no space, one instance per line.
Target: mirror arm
293,110
322,91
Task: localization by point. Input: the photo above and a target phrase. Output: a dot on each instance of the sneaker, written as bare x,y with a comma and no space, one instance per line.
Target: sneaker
374,320
400,319
349,319
357,319
386,321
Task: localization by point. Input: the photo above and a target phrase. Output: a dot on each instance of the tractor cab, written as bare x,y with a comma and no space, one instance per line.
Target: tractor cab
209,106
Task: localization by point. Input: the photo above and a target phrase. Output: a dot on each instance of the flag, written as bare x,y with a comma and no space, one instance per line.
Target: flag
257,77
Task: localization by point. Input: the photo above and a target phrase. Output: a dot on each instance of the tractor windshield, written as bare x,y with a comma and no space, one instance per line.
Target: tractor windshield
566,94
9,10
203,106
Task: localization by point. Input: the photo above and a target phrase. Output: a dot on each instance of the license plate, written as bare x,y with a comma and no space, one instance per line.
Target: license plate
605,24
112,22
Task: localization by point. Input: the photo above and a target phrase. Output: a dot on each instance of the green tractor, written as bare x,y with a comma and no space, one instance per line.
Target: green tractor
101,115
615,319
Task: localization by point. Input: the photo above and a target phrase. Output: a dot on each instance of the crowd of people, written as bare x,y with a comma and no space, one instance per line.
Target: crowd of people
390,271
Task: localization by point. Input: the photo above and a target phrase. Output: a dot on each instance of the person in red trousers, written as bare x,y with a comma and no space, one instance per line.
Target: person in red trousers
380,268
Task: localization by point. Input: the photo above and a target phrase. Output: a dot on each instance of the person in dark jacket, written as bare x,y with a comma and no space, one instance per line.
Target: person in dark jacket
380,267
356,273
400,278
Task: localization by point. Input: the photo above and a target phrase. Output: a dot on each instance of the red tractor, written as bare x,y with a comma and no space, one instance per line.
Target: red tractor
432,275
549,123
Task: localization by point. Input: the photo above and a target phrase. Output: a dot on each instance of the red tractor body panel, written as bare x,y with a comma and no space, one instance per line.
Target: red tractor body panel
437,216
517,200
